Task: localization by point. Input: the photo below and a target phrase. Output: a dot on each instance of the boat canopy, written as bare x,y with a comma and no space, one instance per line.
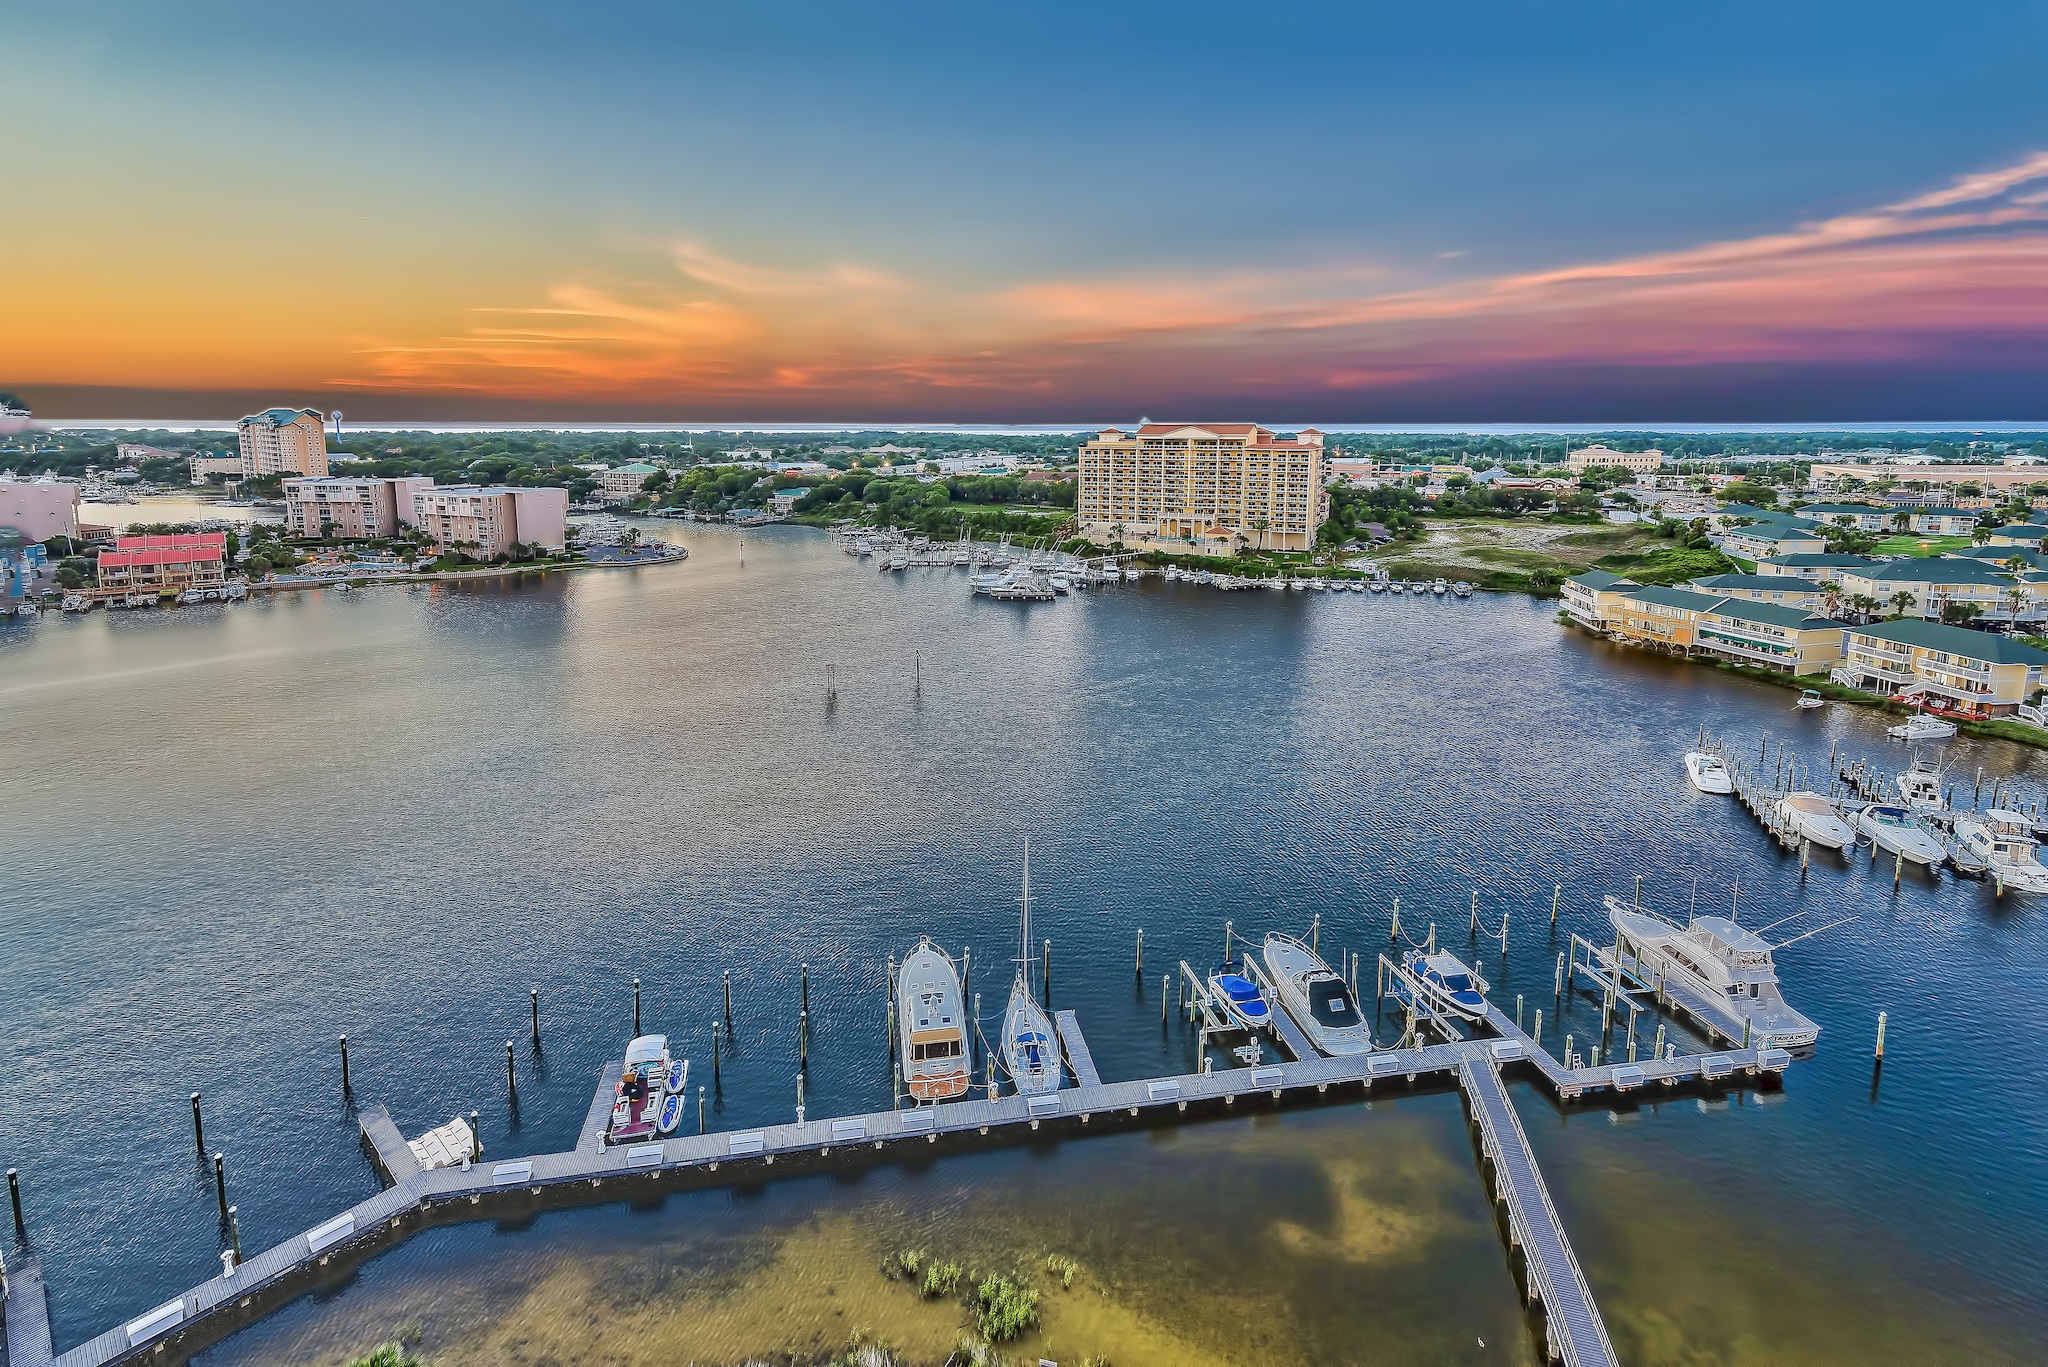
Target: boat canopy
1329,1001
1236,987
646,1050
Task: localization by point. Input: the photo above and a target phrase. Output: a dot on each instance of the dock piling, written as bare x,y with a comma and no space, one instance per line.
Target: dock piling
198,1130
1557,989
533,997
966,966
636,1008
476,1137
1048,970
511,1082
803,1038
1537,1034
1657,1049
344,1065
717,1079
220,1183
804,979
1518,1010
14,1196
1315,934
1556,892
1226,942
702,1128
1139,971
728,999
1880,1036
1472,930
1164,979
1431,948
1504,935
1394,931
235,1234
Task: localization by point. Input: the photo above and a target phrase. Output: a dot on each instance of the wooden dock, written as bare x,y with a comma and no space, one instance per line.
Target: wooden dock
27,1310
593,1173
600,1114
1574,1330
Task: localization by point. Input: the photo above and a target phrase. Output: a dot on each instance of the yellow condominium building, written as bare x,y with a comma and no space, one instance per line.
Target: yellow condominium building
284,441
1954,670
1214,488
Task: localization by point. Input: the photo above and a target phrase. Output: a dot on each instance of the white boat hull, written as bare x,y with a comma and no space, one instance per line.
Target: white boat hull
1821,828
1706,774
1910,843
1302,980
1031,1051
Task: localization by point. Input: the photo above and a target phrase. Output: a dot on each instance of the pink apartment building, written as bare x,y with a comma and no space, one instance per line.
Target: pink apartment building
355,509
486,522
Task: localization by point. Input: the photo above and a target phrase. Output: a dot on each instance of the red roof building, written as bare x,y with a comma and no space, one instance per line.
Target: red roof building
164,564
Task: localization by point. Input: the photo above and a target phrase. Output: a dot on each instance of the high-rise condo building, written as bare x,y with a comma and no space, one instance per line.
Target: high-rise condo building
284,441
1211,487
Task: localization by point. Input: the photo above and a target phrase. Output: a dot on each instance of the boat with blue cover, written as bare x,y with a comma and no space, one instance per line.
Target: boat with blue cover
1447,986
1239,996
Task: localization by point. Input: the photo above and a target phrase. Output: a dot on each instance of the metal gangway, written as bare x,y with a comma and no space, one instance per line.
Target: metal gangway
1574,1329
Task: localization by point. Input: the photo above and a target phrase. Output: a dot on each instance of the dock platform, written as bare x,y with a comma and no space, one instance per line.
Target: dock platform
1575,1330
1078,1058
394,1156
27,1310
600,1114
1284,1027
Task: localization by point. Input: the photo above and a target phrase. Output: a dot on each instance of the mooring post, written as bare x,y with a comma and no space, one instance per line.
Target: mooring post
701,1127
1898,866
896,1083
220,1183
803,1038
1557,989
636,1008
1139,971
1504,935
1394,931
511,1082
1226,942
344,1065
1163,983
716,1079
1880,1035
1518,1010
14,1195
1569,1060
799,1098
889,982
1745,1033
1536,1035
1379,980
1431,948
533,996
966,966
1639,892
1556,892
198,1130
1472,931
805,980
1315,934
1657,1049
728,998
476,1137
1048,970
235,1234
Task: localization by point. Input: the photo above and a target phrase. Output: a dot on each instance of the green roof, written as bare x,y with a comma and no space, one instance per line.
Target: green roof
1776,614
1597,580
1831,509
1942,570
1674,598
1814,560
1775,583
1974,645
2025,531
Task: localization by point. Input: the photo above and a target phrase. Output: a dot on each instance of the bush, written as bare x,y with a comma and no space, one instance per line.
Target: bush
1004,1310
941,1279
388,1355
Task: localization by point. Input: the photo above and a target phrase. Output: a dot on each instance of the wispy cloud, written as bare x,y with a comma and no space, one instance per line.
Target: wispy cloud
1968,261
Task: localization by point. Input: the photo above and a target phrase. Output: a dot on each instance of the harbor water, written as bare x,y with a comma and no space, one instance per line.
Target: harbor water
232,833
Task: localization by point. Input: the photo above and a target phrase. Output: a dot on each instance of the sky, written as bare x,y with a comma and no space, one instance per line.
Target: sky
634,211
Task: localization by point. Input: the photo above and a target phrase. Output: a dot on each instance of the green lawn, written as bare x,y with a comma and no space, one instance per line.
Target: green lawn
1921,545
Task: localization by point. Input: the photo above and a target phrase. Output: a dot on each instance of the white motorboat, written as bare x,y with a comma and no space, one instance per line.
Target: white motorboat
1706,772
1900,831
2005,841
931,1024
1319,1000
1811,698
1812,817
1920,788
1239,996
1447,986
1462,589
899,560
1030,1055
1729,972
642,1087
1920,726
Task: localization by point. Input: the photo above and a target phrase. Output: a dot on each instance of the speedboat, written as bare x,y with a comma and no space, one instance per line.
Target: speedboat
1319,1000
1439,587
1811,697
1812,817
1900,831
931,1024
1030,1056
1723,969
1239,996
1920,726
1920,788
1706,772
642,1087
1462,589
2003,840
1447,986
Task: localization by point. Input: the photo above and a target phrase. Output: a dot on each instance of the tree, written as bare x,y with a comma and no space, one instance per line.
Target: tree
2015,599
656,483
1863,605
68,578
1980,535
1901,602
1902,520
258,567
1957,614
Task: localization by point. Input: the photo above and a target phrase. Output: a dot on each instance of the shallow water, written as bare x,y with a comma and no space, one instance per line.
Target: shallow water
245,830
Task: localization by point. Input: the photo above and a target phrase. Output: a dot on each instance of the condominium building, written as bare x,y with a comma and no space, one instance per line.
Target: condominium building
352,509
1212,487
1592,598
1815,567
284,441
206,464
621,484
1945,521
2001,478
1932,584
486,522
1864,517
1784,590
1768,636
1662,618
1771,540
1954,670
164,564
1641,462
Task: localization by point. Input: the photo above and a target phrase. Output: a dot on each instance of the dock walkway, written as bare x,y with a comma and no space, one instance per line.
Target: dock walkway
394,1156
1577,1334
592,1174
600,1114
27,1309
1078,1056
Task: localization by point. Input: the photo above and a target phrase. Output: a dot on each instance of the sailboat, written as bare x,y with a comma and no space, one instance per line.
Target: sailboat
1030,1056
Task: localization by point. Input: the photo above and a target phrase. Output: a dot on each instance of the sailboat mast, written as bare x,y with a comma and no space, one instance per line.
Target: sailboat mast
1024,933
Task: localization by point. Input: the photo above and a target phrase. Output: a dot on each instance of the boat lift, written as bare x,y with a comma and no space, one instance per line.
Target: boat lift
1420,1012
1204,1010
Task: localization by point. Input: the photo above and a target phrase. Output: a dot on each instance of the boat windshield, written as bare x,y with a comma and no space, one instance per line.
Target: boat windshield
1457,982
1330,1003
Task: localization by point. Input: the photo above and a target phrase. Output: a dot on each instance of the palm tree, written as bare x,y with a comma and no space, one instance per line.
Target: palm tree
1902,520
2015,599
1901,602
1863,605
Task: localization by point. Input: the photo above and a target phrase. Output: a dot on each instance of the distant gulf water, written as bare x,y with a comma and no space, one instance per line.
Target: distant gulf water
232,833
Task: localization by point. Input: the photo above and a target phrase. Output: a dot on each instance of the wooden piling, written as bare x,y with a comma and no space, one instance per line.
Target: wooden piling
1315,934
220,1183
1394,932
511,1081
533,996
701,1126
1139,971
1537,1034
198,1130
1472,930
636,1008
803,1039
1880,1035
804,979
717,1080
728,998
14,1196
1163,980
1556,892
1048,970
1657,1049
1226,942
1518,1010
344,1065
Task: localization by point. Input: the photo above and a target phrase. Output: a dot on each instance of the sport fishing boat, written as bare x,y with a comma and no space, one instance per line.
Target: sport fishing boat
1920,726
1313,993
1239,996
1447,986
1812,817
2004,840
643,1085
931,1025
1706,772
1715,966
1920,788
1030,1056
1900,831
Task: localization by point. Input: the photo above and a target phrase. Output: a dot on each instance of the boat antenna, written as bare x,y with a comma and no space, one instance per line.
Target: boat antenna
1781,921
1733,898
1811,933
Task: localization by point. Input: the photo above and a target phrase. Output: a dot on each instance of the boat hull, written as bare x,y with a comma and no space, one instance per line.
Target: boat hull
931,1026
1031,1053
1299,976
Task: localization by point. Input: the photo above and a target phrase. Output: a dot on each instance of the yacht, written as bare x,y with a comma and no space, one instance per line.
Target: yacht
1318,999
1812,817
931,1024
1920,788
1900,831
1030,1056
1920,726
1728,969
1239,996
1447,986
1706,772
2004,841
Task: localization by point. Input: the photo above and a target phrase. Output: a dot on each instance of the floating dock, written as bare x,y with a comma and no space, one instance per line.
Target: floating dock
1079,1059
27,1309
